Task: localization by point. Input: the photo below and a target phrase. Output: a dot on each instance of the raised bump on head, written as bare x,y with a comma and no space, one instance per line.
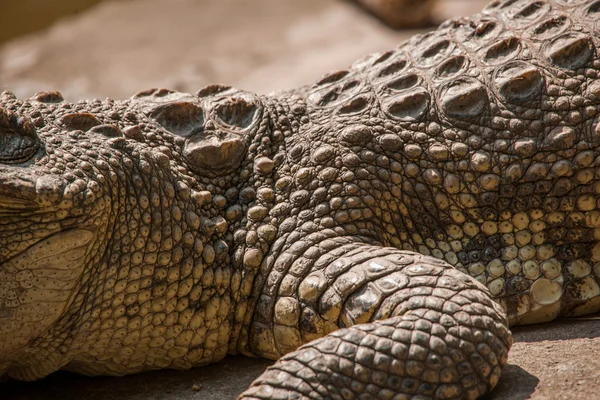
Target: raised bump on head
107,130
48,97
213,153
79,121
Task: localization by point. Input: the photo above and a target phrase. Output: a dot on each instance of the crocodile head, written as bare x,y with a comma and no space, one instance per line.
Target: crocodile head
101,202
50,216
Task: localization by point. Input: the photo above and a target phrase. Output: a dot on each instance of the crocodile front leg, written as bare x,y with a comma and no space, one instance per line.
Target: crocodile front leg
411,325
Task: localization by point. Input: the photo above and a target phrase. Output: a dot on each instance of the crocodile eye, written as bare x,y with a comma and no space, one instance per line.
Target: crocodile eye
180,118
18,138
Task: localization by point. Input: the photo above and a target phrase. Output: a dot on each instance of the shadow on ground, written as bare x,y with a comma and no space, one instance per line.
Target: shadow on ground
549,361
516,384
562,329
222,381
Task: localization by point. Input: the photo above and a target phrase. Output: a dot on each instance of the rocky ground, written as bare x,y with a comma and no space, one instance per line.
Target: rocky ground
120,47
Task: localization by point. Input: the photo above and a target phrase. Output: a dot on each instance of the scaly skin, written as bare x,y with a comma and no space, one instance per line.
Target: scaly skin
357,229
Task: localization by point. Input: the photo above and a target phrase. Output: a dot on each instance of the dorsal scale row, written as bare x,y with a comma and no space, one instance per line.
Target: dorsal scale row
464,76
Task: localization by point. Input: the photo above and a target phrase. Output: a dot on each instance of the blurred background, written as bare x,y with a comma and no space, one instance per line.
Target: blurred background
115,48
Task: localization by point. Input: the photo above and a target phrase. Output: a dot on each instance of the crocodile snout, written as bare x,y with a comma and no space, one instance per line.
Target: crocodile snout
18,138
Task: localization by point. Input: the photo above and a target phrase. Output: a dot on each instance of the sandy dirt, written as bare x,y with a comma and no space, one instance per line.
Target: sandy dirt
550,361
120,47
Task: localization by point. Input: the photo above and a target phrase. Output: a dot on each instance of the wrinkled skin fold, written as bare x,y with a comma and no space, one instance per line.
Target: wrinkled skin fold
376,232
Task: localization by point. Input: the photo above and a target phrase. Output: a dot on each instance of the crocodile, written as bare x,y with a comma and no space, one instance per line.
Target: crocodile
376,232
